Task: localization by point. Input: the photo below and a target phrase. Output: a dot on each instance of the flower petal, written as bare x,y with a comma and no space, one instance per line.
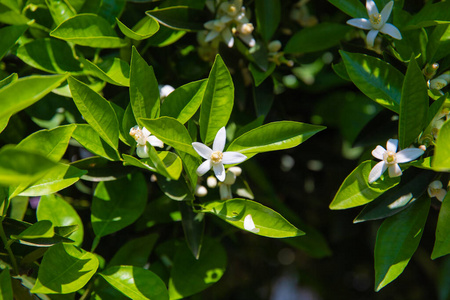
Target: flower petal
408,154
219,171
437,184
391,145
225,192
376,171
146,132
248,39
360,23
440,194
371,7
391,30
204,167
386,11
155,142
233,158
211,35
203,150
249,224
370,38
395,171
142,151
230,178
228,37
219,140
378,152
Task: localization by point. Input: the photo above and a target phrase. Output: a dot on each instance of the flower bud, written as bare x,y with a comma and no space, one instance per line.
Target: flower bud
235,170
200,191
274,46
211,182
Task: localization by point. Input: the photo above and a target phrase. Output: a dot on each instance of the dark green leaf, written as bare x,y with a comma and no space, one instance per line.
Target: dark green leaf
268,14
6,292
353,8
193,227
180,17
442,243
40,229
177,190
441,161
135,252
10,35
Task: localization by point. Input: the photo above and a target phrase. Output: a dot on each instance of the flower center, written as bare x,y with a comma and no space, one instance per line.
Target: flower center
376,20
216,157
218,25
390,158
138,135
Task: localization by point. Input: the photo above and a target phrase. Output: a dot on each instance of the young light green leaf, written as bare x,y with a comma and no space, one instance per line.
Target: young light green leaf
40,229
353,8
180,17
55,209
88,30
274,136
413,105
10,35
397,240
64,269
268,14
135,252
441,161
144,92
96,110
136,283
6,291
91,140
112,209
269,222
217,101
442,243
166,163
114,71
144,29
18,207
377,79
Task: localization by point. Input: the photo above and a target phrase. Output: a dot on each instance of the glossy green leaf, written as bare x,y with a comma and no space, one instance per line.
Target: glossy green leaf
413,105
397,240
165,36
442,242
171,162
65,269
193,227
96,110
6,291
91,140
355,190
144,29
353,8
144,92
217,101
26,91
316,38
190,276
269,222
180,17
171,132
441,161
18,207
10,35
136,283
190,165
430,15
177,190
273,136
88,30
114,71
12,16
118,203
166,163
184,101
135,252
268,15
110,10
377,79
60,10
55,209
8,80
100,169
128,122
40,229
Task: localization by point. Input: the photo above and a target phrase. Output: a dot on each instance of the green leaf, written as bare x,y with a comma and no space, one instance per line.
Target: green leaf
413,105
18,207
377,79
184,102
114,71
177,190
136,283
355,190
6,291
144,92
180,17
26,91
55,209
118,203
430,15
8,80
273,136
397,240
171,132
91,140
65,269
111,10
166,163
171,162
193,227
40,229
88,30
259,75
353,8
441,161
190,276
269,222
60,10
268,14
144,29
442,243
12,16
10,35
135,252
96,110
316,38
217,101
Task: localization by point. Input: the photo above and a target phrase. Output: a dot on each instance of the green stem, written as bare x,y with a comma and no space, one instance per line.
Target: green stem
8,249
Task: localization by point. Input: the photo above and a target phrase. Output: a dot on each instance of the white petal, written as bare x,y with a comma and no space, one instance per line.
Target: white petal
378,152
437,184
370,39
210,24
211,35
395,171
249,224
371,7
360,23
230,178
248,39
203,150
146,132
376,171
219,171
440,194
155,142
231,157
408,154
391,30
386,11
225,192
219,140
391,145
142,151
228,37
204,167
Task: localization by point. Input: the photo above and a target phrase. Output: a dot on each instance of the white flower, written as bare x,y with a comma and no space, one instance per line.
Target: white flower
390,158
435,190
217,27
165,90
215,157
376,22
249,224
142,136
439,82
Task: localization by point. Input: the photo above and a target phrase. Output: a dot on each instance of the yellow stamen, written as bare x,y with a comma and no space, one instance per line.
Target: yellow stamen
216,157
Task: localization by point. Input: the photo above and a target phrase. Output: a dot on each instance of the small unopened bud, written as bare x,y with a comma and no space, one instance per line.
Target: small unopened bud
235,170
423,147
211,182
153,178
274,46
430,70
290,63
230,178
200,191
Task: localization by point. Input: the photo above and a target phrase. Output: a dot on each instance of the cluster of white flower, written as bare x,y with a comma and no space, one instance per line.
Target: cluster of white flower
439,82
142,136
435,189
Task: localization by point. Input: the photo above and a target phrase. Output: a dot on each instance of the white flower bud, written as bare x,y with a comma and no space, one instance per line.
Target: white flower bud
200,191
274,46
235,170
230,178
211,182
